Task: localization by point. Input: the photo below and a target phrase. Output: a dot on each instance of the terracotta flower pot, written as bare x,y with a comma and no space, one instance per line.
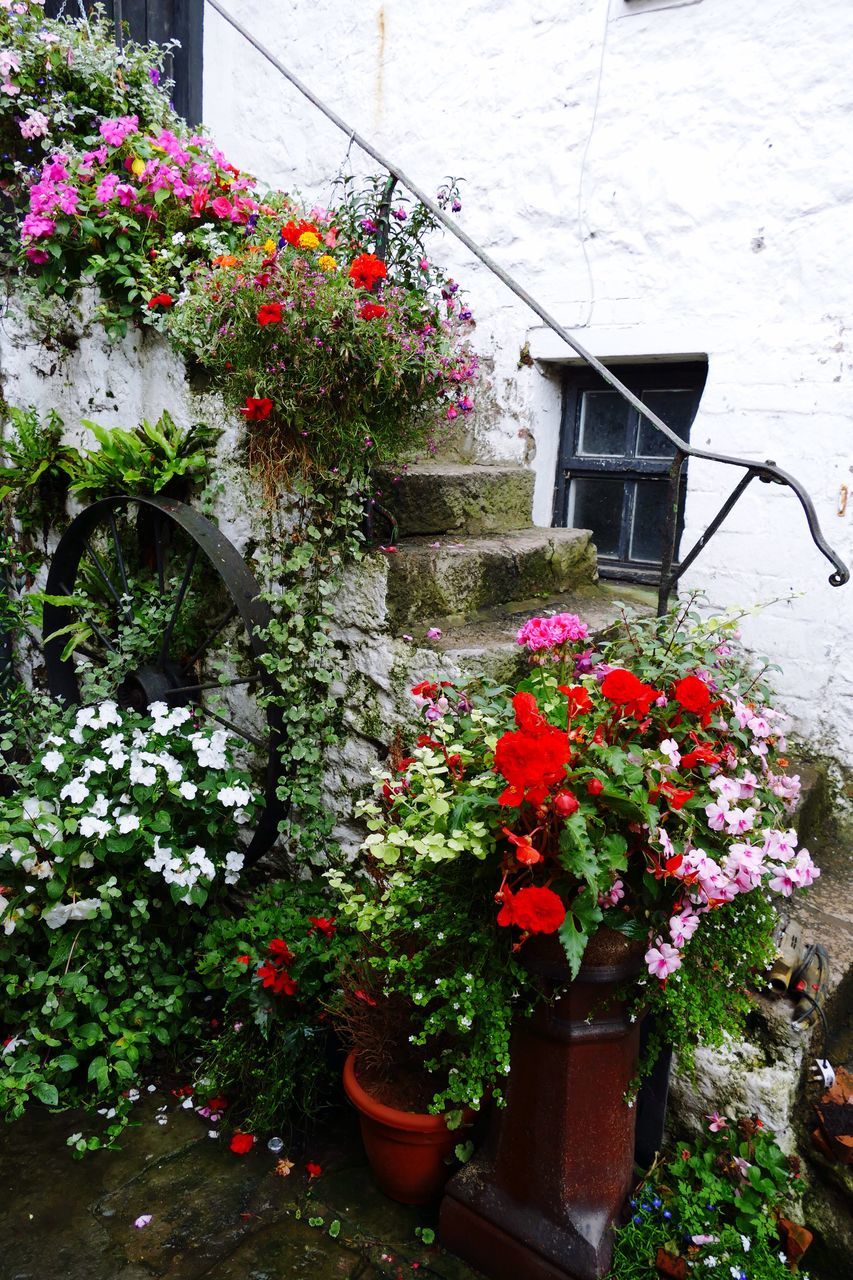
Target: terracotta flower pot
408,1151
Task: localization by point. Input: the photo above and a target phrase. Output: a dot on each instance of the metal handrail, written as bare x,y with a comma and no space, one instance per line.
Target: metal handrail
767,472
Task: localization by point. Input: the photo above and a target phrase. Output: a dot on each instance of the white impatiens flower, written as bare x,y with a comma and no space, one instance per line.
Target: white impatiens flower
234,796
158,710
101,807
94,765
59,915
112,744
117,760
76,791
141,774
53,741
86,716
188,790
91,826
128,822
233,866
108,713
85,861
52,760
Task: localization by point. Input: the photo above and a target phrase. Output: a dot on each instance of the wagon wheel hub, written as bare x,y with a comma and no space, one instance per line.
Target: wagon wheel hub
149,684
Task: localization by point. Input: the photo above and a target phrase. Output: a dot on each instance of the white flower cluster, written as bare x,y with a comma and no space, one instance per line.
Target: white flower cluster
109,757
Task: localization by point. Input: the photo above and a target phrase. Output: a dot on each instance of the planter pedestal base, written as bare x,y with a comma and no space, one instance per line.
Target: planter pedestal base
541,1202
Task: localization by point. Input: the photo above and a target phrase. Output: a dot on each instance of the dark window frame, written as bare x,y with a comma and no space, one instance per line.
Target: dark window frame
639,377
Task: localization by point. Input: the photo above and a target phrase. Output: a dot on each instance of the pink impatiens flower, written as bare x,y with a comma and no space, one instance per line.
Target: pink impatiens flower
35,125
716,1122
115,131
662,959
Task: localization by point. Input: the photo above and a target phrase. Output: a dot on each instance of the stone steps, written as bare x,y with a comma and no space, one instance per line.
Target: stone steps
439,579
447,497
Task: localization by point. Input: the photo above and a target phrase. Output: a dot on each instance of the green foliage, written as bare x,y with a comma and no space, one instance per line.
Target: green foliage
159,457
271,1055
714,1202
36,481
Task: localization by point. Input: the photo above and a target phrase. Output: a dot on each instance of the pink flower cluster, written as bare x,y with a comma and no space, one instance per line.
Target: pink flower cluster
549,633
190,171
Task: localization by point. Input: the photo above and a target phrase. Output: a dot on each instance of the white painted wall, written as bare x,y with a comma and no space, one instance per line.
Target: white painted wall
667,177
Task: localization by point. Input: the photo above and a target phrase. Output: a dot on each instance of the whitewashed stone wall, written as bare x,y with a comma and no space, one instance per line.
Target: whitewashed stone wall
669,177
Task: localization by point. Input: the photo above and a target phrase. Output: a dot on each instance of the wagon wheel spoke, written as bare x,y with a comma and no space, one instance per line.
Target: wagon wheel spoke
216,684
91,623
182,591
122,568
105,578
158,552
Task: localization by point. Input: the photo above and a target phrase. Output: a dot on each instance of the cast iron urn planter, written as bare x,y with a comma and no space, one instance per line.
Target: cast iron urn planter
539,1201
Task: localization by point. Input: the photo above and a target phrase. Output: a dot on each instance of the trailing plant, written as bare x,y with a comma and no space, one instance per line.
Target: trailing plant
120,829
159,457
273,966
35,481
715,1207
302,574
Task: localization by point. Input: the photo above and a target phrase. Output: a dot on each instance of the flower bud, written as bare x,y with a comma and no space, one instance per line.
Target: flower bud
565,804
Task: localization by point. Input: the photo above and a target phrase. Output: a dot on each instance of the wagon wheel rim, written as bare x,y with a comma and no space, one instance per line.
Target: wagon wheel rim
165,678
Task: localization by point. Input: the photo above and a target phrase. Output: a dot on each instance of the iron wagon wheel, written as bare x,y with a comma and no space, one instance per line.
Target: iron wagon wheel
123,547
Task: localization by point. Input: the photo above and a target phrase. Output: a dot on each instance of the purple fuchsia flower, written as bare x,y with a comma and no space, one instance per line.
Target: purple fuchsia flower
368,225
457,205
400,214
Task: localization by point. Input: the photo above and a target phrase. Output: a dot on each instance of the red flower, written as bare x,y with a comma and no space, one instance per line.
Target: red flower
524,850
293,230
364,997
693,695
269,313
160,300
323,924
676,797
244,959
219,1103
278,980
579,701
256,410
623,688
373,311
701,754
531,758
594,787
366,269
534,909
313,1170
566,804
425,689
241,1143
280,951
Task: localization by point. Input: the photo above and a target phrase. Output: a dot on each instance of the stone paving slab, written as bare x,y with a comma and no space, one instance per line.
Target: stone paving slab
214,1215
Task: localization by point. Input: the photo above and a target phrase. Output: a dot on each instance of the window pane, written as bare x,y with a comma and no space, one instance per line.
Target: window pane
649,520
677,410
604,417
596,504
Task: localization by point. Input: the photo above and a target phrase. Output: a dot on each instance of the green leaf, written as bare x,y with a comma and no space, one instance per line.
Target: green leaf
66,1062
99,1072
46,1093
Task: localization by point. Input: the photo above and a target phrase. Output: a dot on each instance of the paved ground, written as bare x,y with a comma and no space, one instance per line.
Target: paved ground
213,1214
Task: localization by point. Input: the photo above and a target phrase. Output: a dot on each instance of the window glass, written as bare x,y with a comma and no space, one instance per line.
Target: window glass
676,408
596,504
604,418
648,520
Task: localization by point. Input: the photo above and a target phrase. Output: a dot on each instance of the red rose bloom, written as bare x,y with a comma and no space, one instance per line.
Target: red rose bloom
160,300
373,311
241,1143
623,688
256,410
269,313
366,269
534,909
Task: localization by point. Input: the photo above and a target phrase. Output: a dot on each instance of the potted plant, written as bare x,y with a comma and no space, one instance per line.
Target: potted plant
626,810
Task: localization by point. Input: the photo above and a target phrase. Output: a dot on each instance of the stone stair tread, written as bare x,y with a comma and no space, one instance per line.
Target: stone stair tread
438,497
430,578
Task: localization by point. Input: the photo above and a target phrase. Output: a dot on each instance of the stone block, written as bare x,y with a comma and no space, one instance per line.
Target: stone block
428,581
446,497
